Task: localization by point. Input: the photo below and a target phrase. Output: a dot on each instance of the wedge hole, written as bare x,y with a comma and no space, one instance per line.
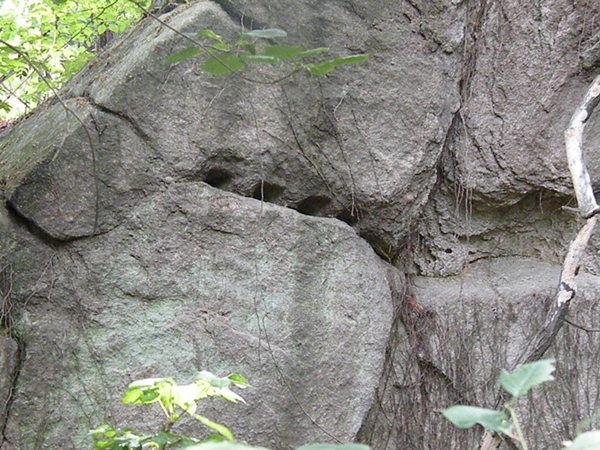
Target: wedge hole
346,215
267,192
312,205
218,178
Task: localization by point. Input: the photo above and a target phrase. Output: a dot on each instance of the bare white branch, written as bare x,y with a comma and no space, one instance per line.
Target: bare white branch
588,209
573,140
568,277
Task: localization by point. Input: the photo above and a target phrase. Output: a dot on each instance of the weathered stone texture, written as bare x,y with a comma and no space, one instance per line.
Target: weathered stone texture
451,352
201,279
150,230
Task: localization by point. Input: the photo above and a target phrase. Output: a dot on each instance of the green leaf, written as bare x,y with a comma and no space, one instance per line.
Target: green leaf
353,59
246,45
185,396
183,55
526,376
230,396
222,47
220,382
205,375
283,51
264,59
585,441
210,34
131,396
146,391
221,429
222,65
467,416
269,33
159,439
102,430
238,380
334,447
313,52
323,68
320,69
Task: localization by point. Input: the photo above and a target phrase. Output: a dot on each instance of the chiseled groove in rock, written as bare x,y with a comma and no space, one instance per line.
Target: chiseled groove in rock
139,132
35,230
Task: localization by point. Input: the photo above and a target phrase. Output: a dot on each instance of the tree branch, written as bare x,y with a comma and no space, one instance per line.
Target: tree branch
588,209
573,139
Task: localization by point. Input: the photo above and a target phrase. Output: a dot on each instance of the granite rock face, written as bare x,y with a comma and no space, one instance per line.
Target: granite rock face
201,279
366,248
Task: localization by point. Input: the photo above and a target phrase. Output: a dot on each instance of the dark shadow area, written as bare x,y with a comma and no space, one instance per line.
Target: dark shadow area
267,192
312,205
34,229
218,178
349,216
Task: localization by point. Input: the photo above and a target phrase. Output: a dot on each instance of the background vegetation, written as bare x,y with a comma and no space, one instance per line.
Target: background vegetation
44,42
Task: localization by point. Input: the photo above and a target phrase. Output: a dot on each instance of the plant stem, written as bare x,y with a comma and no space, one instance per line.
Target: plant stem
515,421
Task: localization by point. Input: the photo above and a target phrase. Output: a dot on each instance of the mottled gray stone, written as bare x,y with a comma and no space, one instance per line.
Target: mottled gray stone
197,279
444,151
450,349
69,181
8,365
361,145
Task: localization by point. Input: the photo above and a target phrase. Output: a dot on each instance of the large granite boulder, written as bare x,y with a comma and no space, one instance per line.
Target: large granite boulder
366,248
197,279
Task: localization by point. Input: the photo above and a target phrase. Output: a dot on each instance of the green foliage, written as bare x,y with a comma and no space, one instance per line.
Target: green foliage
176,401
256,47
44,42
464,416
57,37
517,384
526,376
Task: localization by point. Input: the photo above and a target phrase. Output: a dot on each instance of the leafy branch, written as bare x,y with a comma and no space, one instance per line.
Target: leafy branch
224,58
517,384
176,401
58,37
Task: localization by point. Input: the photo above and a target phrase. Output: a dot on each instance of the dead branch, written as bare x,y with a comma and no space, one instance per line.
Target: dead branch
567,289
588,209
573,139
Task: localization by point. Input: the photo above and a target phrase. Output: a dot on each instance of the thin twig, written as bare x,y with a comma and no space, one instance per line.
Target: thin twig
587,330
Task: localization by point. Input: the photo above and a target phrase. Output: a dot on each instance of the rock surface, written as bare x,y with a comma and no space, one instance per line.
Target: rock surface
170,221
451,348
201,279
